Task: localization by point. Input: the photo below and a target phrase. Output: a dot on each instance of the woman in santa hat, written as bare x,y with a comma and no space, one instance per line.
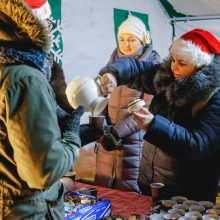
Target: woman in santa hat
119,152
182,123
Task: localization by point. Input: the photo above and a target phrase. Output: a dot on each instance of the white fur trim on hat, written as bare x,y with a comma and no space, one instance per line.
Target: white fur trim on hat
43,12
190,53
133,25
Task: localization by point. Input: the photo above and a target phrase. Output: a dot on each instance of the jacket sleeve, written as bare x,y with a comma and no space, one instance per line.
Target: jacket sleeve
133,73
197,143
42,157
126,127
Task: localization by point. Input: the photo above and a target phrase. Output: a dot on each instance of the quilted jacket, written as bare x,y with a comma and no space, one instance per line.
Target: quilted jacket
119,168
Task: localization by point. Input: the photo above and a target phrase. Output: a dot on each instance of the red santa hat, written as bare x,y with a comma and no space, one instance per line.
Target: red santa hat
196,47
40,8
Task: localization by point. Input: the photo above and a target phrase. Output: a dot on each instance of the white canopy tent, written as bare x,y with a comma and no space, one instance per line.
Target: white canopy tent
88,33
192,14
88,28
198,8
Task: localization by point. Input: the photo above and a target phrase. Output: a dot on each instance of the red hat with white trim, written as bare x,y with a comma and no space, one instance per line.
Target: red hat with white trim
40,8
196,47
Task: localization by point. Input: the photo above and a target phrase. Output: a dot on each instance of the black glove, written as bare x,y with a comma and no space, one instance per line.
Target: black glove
71,121
110,140
89,133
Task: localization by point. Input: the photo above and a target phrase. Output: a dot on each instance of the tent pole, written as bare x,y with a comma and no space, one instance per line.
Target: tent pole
173,23
195,18
187,17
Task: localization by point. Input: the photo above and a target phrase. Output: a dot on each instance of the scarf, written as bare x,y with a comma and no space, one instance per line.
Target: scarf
33,57
143,54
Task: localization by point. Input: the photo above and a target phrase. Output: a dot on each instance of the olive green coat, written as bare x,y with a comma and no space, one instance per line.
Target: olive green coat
33,154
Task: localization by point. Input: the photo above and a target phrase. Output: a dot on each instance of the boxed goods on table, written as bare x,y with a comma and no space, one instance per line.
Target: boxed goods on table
79,206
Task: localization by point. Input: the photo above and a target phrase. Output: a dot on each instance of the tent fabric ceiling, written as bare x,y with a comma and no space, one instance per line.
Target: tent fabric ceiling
189,14
197,8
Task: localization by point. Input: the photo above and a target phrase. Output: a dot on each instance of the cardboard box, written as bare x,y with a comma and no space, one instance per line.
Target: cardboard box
85,207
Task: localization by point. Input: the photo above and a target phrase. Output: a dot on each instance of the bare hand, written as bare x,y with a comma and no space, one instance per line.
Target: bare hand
108,83
143,118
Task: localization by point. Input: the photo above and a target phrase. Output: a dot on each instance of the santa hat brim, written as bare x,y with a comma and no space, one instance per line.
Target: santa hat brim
191,53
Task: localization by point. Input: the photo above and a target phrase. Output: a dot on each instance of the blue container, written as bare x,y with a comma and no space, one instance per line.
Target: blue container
101,208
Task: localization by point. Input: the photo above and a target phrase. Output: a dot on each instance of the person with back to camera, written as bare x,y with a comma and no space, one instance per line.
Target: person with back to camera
120,149
34,152
182,124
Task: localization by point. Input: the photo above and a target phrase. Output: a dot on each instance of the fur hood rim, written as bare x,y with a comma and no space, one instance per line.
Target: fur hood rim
27,26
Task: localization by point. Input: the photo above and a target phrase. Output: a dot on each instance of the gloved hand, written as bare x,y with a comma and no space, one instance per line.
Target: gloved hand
71,121
89,134
110,140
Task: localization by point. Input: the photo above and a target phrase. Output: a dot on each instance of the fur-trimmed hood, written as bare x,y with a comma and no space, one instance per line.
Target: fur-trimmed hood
18,21
190,90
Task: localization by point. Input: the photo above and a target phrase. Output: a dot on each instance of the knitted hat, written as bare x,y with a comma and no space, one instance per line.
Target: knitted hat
135,26
40,8
196,47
